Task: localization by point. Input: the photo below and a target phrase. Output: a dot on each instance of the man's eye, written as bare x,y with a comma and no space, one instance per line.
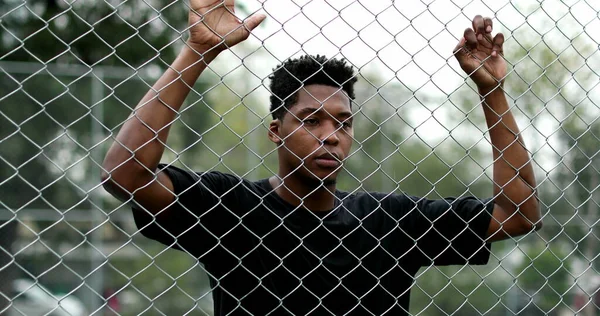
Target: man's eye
345,124
310,121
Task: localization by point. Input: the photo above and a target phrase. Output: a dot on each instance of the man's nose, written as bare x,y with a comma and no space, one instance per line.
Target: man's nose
330,134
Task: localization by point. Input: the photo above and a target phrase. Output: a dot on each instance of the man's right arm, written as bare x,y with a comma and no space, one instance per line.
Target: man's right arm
131,162
130,166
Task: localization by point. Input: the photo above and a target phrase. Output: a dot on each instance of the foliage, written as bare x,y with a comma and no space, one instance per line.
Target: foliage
545,278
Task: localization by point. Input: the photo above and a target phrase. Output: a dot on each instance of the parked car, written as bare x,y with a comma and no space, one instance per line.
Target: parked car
32,299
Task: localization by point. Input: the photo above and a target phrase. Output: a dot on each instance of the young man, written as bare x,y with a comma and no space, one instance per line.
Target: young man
293,244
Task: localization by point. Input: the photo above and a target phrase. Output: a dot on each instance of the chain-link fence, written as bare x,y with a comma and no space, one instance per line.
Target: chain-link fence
72,73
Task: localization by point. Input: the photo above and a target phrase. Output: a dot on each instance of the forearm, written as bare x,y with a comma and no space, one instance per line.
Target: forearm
145,132
513,176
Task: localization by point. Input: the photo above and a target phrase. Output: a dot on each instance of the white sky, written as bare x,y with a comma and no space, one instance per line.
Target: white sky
384,35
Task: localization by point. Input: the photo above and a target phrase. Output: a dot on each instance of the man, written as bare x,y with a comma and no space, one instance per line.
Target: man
293,244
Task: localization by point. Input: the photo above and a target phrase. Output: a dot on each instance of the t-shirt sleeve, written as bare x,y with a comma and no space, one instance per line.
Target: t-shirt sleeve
205,205
447,231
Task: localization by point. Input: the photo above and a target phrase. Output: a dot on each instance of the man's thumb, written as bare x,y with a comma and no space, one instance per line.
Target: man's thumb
252,22
460,51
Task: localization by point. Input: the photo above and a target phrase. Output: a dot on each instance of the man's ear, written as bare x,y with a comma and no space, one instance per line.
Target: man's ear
275,132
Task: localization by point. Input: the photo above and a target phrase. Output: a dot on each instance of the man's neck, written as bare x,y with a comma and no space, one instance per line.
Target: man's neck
295,192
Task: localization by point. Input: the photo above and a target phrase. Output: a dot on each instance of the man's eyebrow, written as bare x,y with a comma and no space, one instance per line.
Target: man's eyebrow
308,111
345,115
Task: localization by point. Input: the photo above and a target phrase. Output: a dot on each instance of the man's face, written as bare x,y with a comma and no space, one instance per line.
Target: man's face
317,133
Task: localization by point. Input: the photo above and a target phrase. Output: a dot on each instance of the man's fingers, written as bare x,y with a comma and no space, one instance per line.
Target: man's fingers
498,43
470,38
253,21
479,26
489,25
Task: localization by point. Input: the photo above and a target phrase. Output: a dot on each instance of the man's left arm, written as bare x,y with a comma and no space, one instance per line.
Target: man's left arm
516,210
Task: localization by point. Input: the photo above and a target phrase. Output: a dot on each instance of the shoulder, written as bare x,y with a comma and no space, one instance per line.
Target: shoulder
216,181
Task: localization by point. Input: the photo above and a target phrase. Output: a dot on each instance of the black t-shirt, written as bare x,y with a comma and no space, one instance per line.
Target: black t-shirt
264,255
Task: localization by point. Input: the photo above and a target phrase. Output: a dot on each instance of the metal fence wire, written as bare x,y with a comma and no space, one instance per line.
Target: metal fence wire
337,157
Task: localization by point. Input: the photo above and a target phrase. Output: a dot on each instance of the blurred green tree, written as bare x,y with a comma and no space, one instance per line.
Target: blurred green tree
544,278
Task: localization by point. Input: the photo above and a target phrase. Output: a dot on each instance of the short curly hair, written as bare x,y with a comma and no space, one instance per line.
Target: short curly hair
290,76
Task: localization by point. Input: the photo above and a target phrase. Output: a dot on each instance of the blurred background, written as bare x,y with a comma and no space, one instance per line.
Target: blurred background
72,71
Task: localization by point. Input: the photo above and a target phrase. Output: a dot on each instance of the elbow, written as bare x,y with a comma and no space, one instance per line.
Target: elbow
532,216
537,220
120,180
538,224
527,226
105,176
109,172
119,170
110,183
532,226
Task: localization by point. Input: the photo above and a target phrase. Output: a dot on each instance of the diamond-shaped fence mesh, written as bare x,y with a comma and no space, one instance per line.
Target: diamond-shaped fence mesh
345,158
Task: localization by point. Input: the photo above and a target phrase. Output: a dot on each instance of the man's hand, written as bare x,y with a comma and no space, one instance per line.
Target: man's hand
480,55
213,24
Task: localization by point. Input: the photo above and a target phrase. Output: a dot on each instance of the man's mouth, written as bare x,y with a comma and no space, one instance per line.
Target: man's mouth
328,161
